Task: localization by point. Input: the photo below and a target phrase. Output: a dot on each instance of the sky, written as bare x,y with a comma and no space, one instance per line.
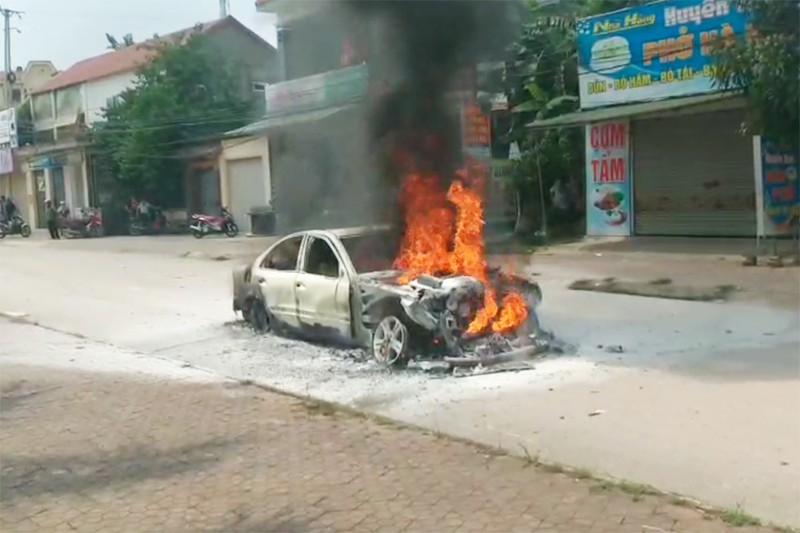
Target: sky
67,31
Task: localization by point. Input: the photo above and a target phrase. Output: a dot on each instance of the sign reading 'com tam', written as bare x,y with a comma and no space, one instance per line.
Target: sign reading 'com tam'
655,51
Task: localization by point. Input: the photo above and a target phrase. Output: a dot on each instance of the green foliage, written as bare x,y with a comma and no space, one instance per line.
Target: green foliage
185,94
766,64
543,83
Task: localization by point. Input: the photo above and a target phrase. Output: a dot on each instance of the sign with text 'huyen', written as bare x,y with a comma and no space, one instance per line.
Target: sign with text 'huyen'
608,179
777,187
658,50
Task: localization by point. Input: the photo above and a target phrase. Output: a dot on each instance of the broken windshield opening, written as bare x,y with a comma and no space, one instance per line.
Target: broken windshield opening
371,253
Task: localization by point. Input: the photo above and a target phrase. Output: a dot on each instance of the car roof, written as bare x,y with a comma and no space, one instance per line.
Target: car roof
360,230
357,231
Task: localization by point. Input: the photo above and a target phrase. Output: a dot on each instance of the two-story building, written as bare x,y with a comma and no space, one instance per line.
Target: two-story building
306,155
15,87
315,142
58,161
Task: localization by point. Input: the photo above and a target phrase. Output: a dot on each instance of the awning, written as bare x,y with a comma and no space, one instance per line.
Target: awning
714,102
288,120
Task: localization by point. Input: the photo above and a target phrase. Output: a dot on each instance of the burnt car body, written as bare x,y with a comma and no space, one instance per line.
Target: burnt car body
339,285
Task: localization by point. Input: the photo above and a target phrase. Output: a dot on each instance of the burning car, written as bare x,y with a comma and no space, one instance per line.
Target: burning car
348,285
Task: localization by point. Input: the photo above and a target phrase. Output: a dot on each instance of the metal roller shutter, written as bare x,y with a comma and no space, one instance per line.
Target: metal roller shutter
693,175
248,189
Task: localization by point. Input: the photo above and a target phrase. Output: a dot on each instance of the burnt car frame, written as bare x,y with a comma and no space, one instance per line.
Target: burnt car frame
339,286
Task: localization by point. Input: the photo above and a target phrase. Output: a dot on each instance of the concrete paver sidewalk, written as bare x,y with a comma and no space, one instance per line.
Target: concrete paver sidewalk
106,452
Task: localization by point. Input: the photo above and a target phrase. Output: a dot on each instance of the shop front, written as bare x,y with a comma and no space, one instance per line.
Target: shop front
245,180
665,149
693,175
59,178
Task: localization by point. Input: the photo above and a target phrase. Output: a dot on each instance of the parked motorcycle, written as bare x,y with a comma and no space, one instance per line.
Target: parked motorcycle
153,224
15,226
89,224
203,225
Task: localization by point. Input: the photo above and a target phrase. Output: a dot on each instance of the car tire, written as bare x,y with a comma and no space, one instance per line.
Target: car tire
260,318
390,343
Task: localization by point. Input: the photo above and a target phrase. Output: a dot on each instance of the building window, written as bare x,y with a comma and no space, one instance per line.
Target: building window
259,87
16,96
113,102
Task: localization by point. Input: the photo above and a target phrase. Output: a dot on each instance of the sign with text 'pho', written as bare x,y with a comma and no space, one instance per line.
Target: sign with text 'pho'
658,50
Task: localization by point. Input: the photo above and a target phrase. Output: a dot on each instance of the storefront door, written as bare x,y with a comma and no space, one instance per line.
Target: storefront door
41,195
59,191
693,175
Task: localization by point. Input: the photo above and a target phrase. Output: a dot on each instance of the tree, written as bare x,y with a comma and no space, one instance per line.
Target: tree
765,63
186,93
114,44
542,83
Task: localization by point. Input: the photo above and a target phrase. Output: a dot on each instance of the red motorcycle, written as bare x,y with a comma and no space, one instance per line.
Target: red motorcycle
89,224
203,225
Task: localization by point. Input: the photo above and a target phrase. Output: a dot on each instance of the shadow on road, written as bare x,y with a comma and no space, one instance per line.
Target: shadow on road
25,477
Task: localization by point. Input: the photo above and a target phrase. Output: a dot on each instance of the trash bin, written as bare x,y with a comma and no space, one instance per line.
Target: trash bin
262,221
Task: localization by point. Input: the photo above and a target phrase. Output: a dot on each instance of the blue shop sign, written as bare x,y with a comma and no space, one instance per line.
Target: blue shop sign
655,51
43,163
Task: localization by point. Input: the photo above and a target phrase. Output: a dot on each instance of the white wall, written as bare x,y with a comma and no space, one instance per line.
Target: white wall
96,94
244,148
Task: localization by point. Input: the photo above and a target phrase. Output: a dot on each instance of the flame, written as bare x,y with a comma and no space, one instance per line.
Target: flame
441,240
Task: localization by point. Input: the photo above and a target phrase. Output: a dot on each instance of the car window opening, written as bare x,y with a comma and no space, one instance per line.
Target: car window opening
371,253
322,260
284,257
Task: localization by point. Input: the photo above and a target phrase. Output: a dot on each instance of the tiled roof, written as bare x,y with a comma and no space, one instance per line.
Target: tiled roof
125,59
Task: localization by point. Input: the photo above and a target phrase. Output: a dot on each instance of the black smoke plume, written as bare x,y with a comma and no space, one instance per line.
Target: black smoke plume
426,44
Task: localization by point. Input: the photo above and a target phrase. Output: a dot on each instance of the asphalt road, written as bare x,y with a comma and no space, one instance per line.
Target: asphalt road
699,402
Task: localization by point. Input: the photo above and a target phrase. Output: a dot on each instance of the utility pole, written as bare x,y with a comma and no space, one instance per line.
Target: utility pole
223,8
7,14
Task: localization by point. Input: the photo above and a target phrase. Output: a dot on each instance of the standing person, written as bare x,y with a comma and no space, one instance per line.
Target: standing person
51,216
3,216
10,209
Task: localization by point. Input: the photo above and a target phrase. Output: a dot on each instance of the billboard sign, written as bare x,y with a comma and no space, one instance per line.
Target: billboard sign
655,51
6,161
476,131
608,180
328,89
777,188
8,127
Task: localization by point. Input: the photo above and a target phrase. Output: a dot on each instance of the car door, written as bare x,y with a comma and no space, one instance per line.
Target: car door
275,275
322,289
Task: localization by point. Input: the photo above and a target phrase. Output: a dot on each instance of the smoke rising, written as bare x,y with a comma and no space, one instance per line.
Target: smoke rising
429,42
417,48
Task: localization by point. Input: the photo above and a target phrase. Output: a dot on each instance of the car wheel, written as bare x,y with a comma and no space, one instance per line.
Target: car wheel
260,318
390,342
